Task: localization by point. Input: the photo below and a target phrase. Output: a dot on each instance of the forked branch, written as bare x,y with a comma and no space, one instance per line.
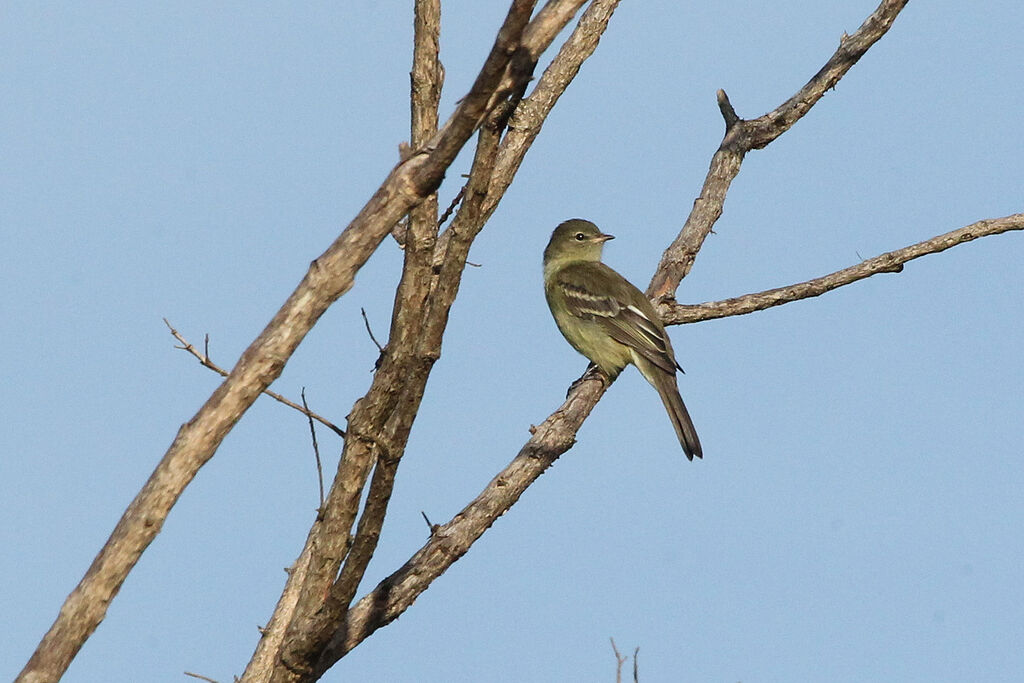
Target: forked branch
556,434
331,275
741,136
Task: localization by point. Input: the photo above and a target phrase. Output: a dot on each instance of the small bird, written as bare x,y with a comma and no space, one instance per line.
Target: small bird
610,321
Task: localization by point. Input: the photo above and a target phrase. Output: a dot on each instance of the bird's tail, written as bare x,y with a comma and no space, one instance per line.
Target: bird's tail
669,392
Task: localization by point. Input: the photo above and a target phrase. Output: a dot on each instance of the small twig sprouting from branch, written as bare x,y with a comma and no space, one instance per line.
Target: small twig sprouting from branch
636,665
380,349
728,113
200,677
745,135
204,360
619,661
370,332
316,449
366,322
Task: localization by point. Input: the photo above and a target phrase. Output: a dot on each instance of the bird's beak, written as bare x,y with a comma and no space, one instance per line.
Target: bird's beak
603,237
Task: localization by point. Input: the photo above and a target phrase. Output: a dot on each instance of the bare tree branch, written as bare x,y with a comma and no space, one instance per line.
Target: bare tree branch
742,136
329,277
554,436
397,592
426,81
369,331
529,117
379,423
481,196
524,128
205,360
554,16
619,661
316,452
200,677
397,393
889,262
451,207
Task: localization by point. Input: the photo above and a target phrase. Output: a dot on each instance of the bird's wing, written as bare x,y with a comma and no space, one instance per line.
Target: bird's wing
636,330
583,302
624,321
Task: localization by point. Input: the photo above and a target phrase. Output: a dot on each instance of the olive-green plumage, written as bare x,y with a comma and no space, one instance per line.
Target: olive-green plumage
609,320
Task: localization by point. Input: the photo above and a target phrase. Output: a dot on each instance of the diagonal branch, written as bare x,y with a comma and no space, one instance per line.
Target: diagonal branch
450,541
413,360
524,128
529,117
741,136
483,192
889,262
385,443
379,423
556,434
328,278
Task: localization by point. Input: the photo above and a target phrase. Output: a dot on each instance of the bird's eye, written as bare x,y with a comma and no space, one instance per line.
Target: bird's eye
580,237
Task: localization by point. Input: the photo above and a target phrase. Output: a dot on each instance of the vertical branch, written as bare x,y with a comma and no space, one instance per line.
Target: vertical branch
556,434
619,661
427,75
482,195
410,304
396,388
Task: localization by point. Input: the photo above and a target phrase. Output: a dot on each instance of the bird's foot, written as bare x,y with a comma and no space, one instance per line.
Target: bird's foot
593,372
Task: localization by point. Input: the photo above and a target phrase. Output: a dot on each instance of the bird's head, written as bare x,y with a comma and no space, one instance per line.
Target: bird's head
575,240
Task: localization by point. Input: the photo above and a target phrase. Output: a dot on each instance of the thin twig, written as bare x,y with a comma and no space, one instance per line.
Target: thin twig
316,450
200,677
636,664
430,525
204,360
619,661
370,331
889,262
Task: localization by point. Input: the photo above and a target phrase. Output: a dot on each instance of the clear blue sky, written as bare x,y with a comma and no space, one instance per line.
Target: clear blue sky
858,514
